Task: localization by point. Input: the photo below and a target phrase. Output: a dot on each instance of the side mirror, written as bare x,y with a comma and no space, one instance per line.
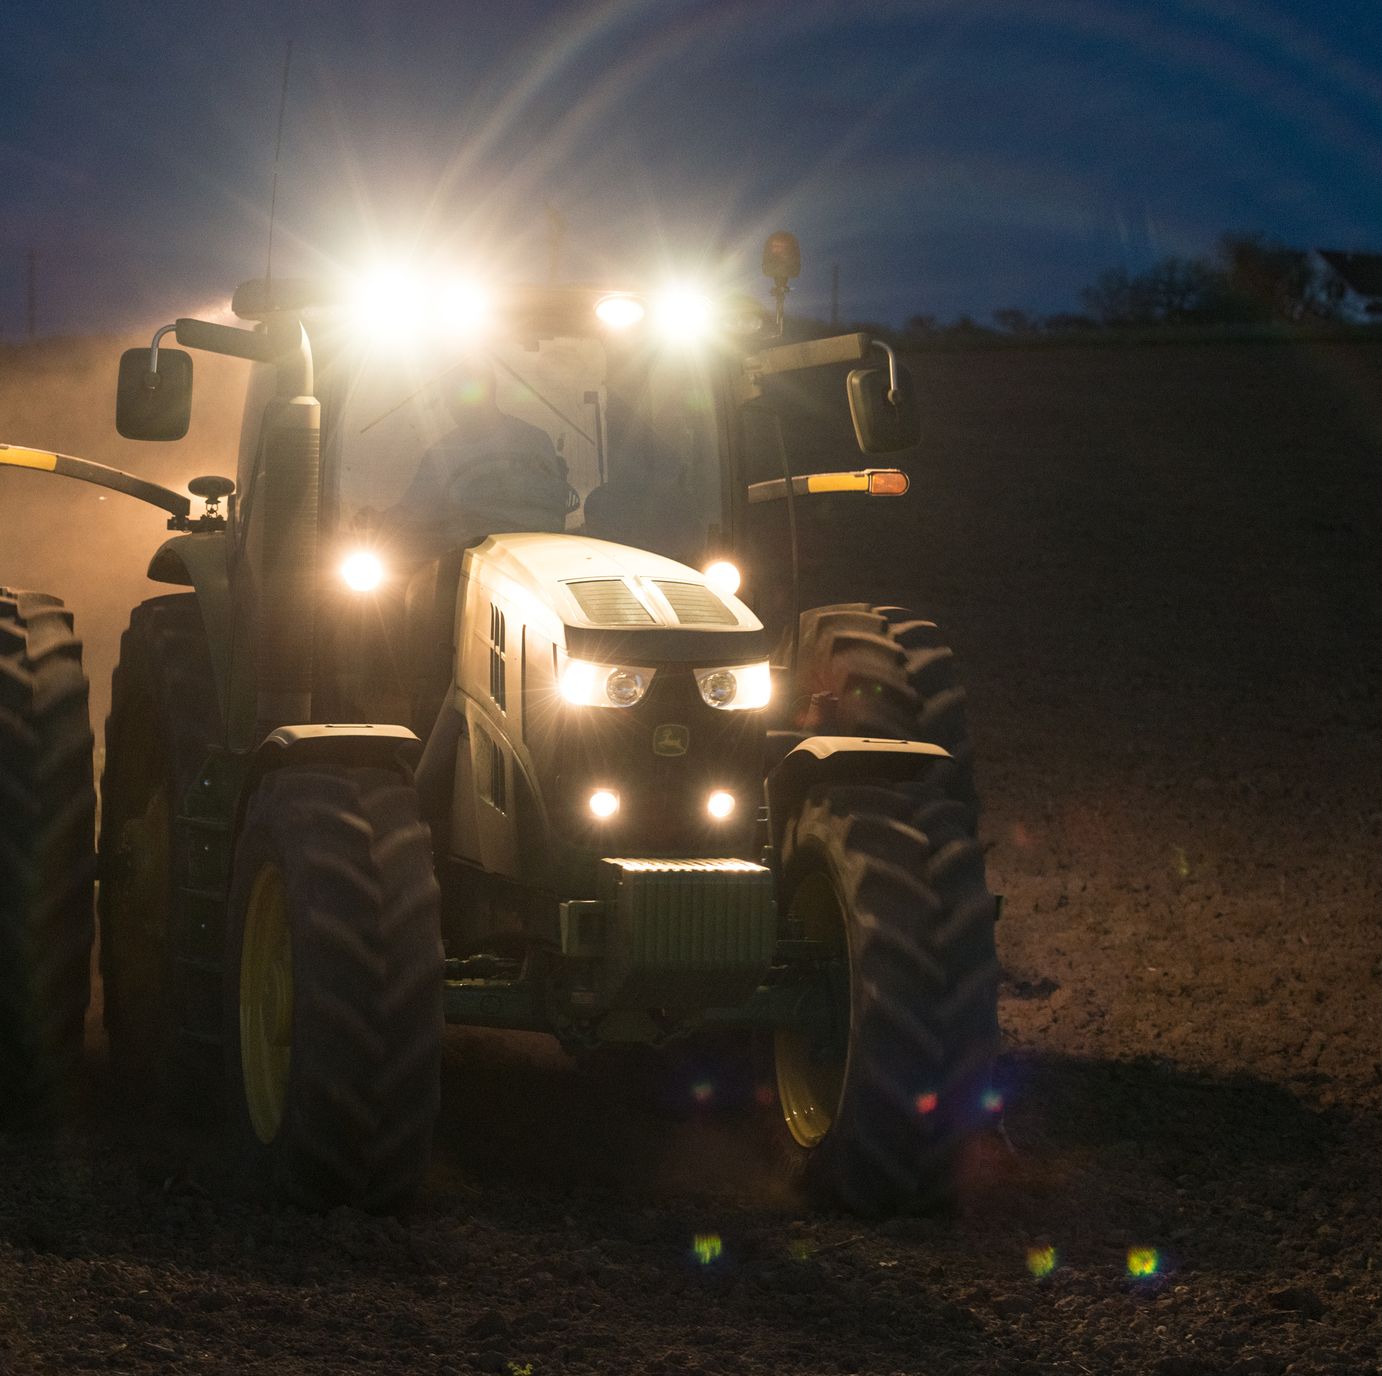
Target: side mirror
883,423
154,406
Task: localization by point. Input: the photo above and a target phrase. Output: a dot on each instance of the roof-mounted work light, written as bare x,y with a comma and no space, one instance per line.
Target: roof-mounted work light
619,312
684,314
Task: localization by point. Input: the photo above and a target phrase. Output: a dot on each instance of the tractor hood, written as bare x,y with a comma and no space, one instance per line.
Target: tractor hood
593,597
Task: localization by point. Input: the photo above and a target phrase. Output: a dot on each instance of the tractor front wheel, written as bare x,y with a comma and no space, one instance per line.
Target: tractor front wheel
333,985
885,672
887,1080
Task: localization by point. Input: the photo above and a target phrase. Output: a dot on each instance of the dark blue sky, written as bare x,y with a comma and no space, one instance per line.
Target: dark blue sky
952,157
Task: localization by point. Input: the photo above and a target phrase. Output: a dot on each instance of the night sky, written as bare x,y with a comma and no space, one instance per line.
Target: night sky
951,157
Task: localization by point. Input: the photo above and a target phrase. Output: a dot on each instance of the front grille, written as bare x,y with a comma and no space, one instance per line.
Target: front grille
695,603
609,602
685,933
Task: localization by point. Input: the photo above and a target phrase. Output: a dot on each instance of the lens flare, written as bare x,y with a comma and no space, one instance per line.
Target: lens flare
1143,1261
1041,1261
707,1247
992,1101
703,1092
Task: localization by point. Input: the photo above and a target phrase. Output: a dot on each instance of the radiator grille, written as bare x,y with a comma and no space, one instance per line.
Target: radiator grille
609,602
694,602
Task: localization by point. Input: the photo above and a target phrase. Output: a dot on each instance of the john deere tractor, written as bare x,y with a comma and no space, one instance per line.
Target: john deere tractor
439,728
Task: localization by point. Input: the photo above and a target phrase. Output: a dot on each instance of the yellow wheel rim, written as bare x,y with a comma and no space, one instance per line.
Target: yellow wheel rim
810,1077
266,1003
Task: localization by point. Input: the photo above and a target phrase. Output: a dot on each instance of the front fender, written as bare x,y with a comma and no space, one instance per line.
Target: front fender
200,562
336,744
840,759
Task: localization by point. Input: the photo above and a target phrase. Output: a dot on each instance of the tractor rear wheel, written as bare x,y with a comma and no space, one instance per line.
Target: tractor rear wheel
47,855
163,718
333,1013
884,671
881,1097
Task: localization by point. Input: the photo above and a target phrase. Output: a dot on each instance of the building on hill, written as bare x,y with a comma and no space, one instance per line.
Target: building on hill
1347,286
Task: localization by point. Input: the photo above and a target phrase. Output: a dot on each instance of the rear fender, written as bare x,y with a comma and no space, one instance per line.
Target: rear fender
839,760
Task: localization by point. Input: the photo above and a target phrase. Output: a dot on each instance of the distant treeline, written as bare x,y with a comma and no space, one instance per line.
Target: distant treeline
1252,287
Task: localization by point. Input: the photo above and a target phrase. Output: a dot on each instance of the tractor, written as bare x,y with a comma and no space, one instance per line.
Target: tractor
486,699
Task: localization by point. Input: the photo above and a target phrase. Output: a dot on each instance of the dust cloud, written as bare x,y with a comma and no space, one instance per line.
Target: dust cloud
85,544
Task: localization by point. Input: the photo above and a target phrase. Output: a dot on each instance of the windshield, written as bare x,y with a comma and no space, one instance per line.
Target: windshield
568,433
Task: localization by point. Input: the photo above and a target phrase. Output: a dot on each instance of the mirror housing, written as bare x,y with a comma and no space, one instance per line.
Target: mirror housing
154,405
883,424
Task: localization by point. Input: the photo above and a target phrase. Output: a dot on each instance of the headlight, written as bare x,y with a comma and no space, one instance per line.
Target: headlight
362,570
738,688
619,312
720,804
604,803
722,577
464,307
684,314
603,685
388,301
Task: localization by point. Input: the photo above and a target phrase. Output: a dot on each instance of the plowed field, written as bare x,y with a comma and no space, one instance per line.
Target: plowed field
1162,571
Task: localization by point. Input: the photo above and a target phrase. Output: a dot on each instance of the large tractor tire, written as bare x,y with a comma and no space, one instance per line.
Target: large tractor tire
163,718
886,672
878,1105
47,856
333,1012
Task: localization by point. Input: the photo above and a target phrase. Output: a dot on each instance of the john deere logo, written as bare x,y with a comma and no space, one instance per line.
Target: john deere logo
671,739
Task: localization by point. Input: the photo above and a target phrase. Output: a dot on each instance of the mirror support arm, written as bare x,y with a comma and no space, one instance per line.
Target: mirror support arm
153,347
894,391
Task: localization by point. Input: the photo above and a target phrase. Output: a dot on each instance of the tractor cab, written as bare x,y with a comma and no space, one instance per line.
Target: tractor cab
661,421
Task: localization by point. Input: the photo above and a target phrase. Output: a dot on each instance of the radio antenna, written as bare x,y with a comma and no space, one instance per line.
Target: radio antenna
278,149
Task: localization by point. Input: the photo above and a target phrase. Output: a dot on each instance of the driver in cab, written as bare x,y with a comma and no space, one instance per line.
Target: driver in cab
490,472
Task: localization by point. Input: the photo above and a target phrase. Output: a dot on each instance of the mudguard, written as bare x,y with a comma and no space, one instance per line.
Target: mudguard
329,743
840,759
199,562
